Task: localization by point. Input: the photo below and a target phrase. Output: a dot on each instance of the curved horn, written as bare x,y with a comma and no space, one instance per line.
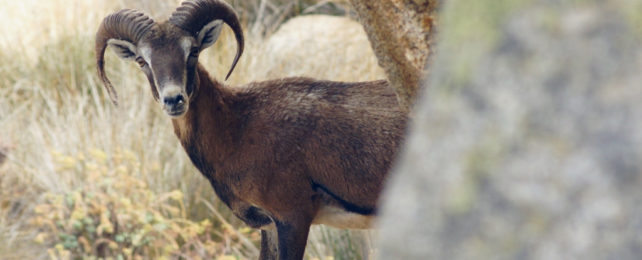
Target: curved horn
128,25
194,14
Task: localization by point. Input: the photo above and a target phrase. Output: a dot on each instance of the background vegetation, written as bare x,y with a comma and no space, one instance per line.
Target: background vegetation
86,179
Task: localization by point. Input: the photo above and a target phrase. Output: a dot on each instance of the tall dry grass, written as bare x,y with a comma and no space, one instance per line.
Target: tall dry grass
68,145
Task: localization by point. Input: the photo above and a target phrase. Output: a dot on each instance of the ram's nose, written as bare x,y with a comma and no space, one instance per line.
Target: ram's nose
174,101
171,101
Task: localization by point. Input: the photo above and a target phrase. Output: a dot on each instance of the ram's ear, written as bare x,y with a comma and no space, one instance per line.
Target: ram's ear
124,49
209,34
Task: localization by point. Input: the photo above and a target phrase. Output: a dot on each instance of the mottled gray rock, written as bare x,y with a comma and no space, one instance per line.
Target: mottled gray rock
527,141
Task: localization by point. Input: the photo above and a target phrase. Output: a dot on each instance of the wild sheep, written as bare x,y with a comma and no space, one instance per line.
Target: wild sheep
281,154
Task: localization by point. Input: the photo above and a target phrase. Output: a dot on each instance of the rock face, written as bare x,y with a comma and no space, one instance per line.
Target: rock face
527,142
309,45
400,33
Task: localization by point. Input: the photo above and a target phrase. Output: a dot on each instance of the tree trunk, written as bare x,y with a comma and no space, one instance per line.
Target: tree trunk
400,33
527,144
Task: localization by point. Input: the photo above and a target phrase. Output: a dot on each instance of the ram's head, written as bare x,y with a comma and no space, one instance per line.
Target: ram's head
167,52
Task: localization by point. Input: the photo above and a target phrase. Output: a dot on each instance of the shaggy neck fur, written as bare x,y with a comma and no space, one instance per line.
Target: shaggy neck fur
209,114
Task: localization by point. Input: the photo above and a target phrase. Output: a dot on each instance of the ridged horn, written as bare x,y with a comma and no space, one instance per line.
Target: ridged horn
194,14
128,25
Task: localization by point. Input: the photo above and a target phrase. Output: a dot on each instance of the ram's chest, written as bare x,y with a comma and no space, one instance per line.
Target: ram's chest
228,187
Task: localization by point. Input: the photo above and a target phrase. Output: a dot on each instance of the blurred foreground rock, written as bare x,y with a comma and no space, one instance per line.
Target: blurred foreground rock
528,137
400,33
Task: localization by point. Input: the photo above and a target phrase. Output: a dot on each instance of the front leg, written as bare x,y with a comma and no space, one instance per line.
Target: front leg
292,238
285,242
269,244
291,204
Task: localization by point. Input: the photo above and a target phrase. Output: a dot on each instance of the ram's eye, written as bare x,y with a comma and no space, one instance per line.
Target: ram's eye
194,52
141,62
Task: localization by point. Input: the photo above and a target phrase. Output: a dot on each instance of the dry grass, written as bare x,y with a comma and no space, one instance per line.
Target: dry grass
76,163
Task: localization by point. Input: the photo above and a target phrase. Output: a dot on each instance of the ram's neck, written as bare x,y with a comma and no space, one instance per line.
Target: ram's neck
205,129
